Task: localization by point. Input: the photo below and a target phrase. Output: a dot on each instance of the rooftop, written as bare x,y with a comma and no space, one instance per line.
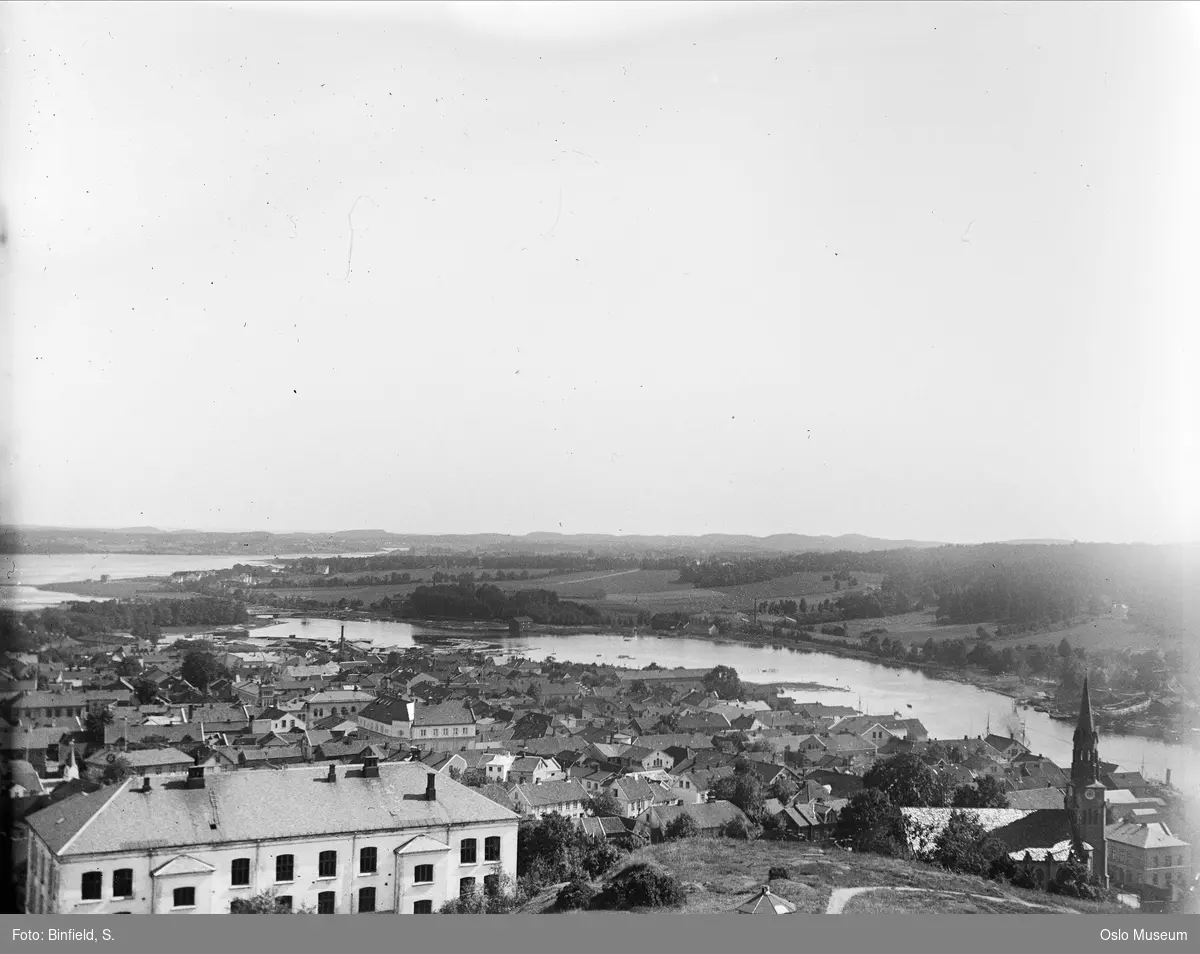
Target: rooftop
245,806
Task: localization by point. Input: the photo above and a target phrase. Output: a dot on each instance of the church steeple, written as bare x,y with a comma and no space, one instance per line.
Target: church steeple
1085,795
1085,757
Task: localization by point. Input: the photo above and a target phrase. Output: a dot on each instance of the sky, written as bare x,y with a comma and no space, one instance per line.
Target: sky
908,270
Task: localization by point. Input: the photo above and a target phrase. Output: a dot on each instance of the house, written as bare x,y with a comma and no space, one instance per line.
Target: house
608,827
387,717
534,769
711,818
1147,857
567,798
327,702
809,820
392,837
273,719
443,762
518,625
497,765
633,795
142,762
446,725
1007,748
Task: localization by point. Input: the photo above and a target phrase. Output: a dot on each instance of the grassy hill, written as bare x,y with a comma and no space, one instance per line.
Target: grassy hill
721,873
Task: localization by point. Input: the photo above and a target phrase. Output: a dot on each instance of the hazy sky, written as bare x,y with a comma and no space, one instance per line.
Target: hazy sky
905,270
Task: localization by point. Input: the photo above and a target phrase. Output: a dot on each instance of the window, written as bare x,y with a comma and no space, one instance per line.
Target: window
466,887
423,874
466,851
366,900
1154,879
422,733
422,907
285,868
491,884
367,861
327,865
1154,861
491,848
123,883
239,872
185,897
93,882
284,902
325,902
445,731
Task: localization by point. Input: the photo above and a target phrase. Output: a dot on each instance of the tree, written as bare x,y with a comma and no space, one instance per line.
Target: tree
605,803
264,903
474,778
146,690
724,681
1064,648
783,788
955,844
871,822
987,792
201,669
744,790
908,782
95,721
115,771
680,827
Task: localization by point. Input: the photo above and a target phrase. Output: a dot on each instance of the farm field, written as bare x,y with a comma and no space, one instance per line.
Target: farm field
1104,633
795,586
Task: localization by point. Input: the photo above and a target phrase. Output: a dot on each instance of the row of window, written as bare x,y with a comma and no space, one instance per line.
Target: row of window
285,868
327,900
1123,876
465,731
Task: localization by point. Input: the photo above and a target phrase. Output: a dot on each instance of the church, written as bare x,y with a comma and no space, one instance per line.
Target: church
1085,793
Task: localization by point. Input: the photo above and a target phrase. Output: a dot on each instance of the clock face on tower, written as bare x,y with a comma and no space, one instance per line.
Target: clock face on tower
1089,794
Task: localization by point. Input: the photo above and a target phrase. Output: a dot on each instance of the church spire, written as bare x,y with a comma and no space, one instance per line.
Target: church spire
1085,759
1085,712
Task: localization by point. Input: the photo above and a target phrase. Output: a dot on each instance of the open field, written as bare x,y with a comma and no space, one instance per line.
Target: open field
723,873
1104,633
147,588
795,586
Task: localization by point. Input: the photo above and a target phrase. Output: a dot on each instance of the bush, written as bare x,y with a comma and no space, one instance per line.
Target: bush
740,828
778,873
640,886
684,826
576,895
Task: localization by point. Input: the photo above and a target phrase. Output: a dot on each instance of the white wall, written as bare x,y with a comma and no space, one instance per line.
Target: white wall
215,893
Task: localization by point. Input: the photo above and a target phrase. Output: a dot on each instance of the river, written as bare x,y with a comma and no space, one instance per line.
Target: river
947,709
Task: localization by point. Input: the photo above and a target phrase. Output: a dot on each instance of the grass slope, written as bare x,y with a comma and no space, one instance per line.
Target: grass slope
722,873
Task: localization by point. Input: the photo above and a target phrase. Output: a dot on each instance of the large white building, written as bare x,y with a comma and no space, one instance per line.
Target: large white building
371,838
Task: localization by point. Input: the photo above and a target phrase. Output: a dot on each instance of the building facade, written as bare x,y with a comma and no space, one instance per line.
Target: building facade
377,838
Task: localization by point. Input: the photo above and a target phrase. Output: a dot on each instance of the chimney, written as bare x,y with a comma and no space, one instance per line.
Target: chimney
146,784
195,776
370,766
332,777
431,787
1168,776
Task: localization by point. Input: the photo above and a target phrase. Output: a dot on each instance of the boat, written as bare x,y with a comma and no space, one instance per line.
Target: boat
910,705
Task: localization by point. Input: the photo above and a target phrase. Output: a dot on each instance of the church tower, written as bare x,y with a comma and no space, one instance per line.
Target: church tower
1085,791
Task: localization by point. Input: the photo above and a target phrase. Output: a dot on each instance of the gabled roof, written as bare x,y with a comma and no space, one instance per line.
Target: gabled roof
551,793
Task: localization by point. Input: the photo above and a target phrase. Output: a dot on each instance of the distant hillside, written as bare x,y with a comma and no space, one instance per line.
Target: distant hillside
261,543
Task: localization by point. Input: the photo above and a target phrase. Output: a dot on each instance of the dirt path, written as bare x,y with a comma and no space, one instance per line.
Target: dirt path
841,896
